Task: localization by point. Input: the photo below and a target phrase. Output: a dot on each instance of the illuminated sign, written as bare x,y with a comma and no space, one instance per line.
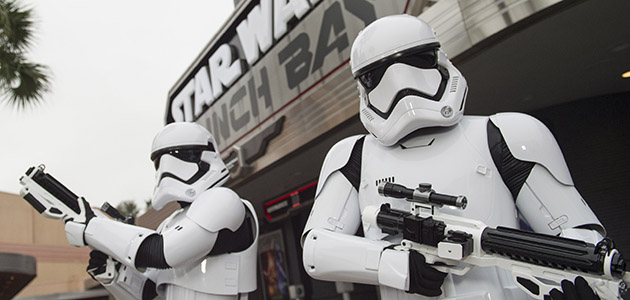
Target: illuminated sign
272,52
281,207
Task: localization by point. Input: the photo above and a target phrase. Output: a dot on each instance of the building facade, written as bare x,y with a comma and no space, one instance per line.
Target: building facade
58,268
275,89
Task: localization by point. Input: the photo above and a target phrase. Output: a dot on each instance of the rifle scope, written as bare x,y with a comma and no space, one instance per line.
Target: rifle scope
423,194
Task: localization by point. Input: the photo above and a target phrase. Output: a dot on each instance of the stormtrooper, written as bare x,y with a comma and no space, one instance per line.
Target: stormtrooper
412,100
205,250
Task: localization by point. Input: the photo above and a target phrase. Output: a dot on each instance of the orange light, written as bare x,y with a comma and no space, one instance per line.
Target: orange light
626,75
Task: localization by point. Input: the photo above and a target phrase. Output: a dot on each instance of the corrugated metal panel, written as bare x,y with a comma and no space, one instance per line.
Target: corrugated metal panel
333,102
460,24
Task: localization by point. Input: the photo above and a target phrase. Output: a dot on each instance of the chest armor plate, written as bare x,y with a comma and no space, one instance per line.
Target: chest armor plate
223,274
454,160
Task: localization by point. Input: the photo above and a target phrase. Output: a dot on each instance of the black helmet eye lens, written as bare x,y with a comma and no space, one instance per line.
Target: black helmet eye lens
372,77
423,60
188,153
426,59
367,80
191,155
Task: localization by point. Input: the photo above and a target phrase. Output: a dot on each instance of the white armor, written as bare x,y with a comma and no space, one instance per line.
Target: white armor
405,81
465,157
191,165
205,250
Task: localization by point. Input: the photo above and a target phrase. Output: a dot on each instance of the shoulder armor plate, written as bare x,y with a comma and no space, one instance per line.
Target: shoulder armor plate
530,140
336,159
216,209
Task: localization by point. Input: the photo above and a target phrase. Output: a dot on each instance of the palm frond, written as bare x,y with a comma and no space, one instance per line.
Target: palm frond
21,82
28,86
16,23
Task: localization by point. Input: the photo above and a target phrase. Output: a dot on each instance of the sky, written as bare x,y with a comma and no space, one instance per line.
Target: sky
112,64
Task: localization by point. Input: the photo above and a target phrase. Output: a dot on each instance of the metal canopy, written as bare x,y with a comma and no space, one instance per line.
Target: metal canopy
16,271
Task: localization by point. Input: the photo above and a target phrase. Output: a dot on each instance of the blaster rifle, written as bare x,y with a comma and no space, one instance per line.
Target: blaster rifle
51,198
538,262
55,201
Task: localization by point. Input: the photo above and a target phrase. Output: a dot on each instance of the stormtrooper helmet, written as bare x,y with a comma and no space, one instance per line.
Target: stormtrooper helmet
187,163
405,81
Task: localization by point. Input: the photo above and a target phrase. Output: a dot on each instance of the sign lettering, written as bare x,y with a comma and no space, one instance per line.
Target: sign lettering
272,52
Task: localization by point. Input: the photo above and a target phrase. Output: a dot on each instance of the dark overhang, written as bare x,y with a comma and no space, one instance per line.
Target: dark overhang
16,271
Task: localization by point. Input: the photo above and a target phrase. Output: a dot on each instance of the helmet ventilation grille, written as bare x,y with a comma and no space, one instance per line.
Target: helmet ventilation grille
367,114
454,84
